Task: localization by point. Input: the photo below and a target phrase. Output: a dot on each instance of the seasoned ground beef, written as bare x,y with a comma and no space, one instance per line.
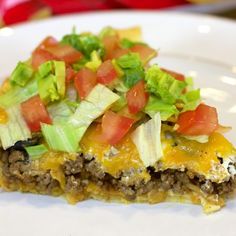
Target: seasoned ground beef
16,167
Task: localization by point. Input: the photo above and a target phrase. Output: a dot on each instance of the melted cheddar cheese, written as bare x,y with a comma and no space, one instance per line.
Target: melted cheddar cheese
125,158
179,153
201,158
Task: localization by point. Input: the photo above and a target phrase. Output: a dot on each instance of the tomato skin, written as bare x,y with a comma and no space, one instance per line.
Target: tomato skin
48,42
137,97
70,74
34,113
119,52
39,56
174,74
84,82
65,53
145,52
106,73
111,43
115,127
202,121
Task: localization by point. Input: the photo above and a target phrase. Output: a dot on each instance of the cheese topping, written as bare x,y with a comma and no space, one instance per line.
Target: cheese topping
201,158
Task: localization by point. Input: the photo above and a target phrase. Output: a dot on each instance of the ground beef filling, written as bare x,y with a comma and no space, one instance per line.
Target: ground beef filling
84,170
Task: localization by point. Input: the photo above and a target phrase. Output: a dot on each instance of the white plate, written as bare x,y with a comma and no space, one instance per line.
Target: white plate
201,46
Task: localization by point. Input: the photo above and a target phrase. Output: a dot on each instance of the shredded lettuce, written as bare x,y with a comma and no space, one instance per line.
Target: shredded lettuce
15,129
80,64
61,137
85,43
126,43
21,74
95,61
155,105
35,152
132,68
66,132
96,103
119,104
51,80
147,139
128,61
17,94
191,100
164,85
59,112
60,75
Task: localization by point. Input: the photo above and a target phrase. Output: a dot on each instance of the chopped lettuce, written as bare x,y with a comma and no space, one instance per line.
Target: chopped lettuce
61,137
95,61
96,103
147,139
128,61
80,64
21,74
47,89
59,112
119,104
17,94
35,152
51,80
155,105
132,68
66,132
126,43
85,43
191,100
164,85
15,129
60,75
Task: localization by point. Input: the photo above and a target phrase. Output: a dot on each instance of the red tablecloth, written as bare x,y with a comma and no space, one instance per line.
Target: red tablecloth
14,11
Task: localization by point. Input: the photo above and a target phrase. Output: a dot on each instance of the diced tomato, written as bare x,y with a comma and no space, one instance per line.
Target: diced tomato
65,53
115,127
84,81
70,74
106,72
34,113
176,75
137,97
202,121
119,52
146,53
48,42
39,56
110,43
